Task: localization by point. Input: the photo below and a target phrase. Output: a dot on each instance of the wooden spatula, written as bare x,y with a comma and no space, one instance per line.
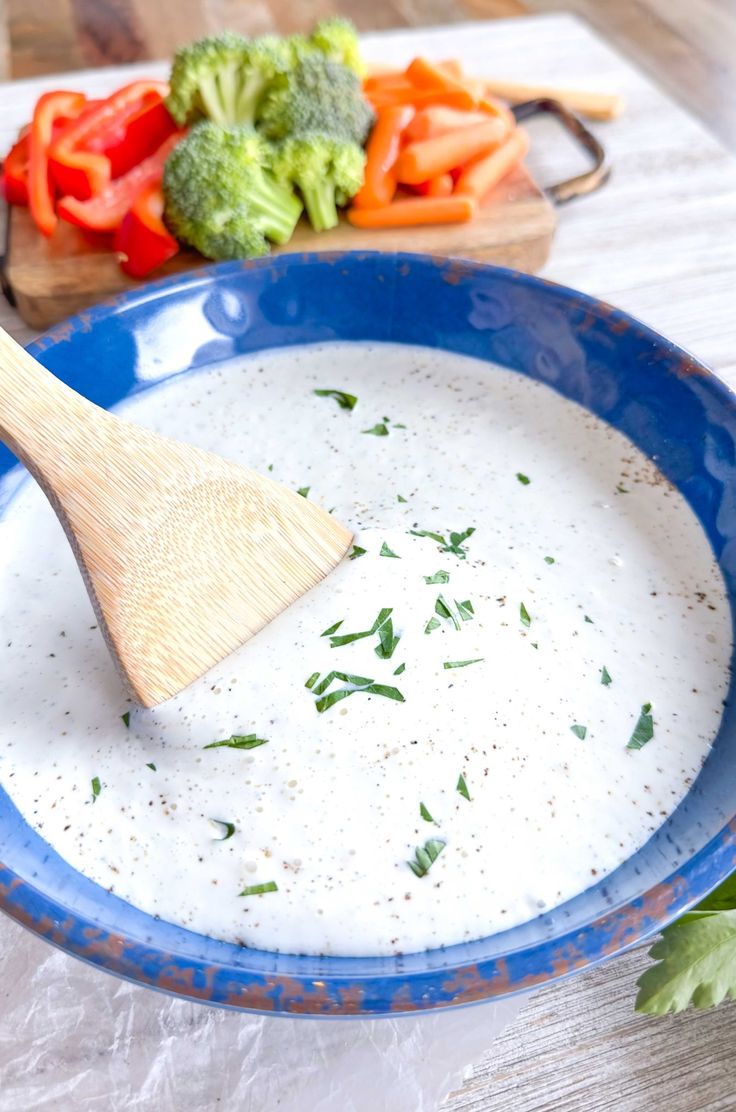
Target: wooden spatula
184,555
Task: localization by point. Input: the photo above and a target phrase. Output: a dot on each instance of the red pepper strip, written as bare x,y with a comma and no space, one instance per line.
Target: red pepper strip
48,108
81,171
15,171
143,241
139,135
105,212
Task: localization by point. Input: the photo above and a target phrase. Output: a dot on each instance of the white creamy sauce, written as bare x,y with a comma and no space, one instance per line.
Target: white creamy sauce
329,808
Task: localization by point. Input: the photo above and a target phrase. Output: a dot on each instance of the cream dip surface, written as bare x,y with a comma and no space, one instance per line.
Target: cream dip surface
583,615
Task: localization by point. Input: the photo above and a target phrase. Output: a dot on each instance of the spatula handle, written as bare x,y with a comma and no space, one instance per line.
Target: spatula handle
41,419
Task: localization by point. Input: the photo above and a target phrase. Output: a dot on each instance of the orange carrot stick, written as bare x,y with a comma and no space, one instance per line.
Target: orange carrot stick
415,210
420,161
420,98
381,80
438,119
379,181
435,187
426,75
453,67
480,176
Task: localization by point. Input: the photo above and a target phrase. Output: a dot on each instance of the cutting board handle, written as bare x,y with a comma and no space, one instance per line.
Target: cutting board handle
581,184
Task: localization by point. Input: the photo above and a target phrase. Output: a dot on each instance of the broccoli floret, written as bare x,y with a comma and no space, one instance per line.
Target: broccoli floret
317,95
327,170
221,197
223,77
338,40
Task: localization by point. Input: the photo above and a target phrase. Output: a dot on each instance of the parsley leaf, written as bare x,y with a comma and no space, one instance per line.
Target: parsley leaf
696,959
345,401
462,663
333,628
347,638
229,829
455,544
589,620
386,551
401,668
304,491
462,787
96,787
357,551
549,559
465,610
438,577
432,536
425,856
387,640
643,730
605,676
238,741
126,719
579,731
400,498
524,615
152,766
259,889
425,813
433,623
523,479
360,684
377,430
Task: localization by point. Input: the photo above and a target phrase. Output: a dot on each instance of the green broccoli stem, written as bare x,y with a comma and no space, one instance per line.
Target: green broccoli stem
250,92
319,201
277,205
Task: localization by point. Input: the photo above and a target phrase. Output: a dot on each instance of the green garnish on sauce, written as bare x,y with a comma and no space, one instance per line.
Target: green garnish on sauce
229,829
152,766
238,741
462,663
425,856
347,638
605,676
455,543
357,551
400,498
260,889
304,491
401,668
386,551
126,719
549,559
359,685
345,401
377,430
643,730
462,788
579,731
425,813
438,577
332,629
523,479
524,615
96,787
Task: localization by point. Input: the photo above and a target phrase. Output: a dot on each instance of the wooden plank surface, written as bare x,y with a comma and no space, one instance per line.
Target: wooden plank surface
657,240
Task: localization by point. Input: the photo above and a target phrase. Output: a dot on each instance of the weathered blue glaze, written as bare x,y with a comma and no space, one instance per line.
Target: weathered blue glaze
670,405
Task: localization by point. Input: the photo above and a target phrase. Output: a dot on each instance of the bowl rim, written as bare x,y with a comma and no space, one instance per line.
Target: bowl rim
363,993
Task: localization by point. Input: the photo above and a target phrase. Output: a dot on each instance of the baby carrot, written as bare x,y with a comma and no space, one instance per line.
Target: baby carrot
438,119
415,210
453,67
435,187
480,176
428,159
379,181
426,75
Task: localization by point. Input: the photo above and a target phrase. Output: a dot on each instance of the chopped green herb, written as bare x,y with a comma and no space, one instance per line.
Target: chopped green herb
549,559
238,741
462,787
455,543
360,684
438,577
400,498
589,620
377,430
126,719
387,640
433,623
523,479
386,551
535,644
152,766
304,491
270,467
465,610
524,616
442,608
644,729
401,668
348,638
312,680
396,424
621,489
605,676
260,889
425,856
579,731
357,551
96,787
229,829
425,813
462,663
332,629
345,401
346,677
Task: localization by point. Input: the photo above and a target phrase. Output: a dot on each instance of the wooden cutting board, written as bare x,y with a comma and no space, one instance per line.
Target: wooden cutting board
49,279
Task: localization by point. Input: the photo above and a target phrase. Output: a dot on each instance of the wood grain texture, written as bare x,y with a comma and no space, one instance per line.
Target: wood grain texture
656,240
51,279
149,519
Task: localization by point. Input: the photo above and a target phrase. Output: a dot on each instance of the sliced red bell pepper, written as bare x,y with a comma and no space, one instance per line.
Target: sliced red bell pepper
104,212
143,242
49,107
78,168
15,170
132,139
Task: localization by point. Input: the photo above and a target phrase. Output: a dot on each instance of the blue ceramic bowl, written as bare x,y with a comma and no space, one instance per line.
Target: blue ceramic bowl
670,405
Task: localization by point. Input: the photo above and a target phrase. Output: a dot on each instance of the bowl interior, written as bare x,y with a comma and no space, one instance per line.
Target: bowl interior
670,406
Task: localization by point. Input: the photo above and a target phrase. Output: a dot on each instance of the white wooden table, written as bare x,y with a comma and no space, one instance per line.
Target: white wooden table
659,241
